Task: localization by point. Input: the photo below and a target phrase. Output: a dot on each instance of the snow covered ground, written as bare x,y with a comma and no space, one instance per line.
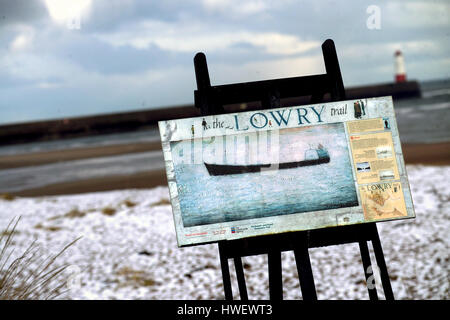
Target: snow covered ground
129,251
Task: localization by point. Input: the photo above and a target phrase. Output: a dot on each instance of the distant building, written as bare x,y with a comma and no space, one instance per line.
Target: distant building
400,73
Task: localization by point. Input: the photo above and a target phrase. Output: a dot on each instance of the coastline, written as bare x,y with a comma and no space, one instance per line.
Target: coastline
434,154
53,156
141,180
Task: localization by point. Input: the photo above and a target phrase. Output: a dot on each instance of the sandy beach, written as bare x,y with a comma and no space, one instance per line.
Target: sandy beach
436,154
39,158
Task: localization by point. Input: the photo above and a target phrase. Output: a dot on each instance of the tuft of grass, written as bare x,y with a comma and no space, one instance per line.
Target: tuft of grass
49,228
29,276
7,196
161,202
135,278
6,233
75,213
129,203
108,211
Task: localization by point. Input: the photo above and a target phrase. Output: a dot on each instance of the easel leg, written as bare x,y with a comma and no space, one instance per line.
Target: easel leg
379,256
225,273
275,280
365,257
240,278
305,274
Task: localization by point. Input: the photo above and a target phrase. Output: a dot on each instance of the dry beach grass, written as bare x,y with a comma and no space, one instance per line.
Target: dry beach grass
28,275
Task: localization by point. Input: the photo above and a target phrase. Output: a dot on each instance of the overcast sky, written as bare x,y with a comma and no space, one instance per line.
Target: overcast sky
62,58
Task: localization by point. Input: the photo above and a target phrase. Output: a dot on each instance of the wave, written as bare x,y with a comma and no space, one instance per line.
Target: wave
435,106
421,108
436,93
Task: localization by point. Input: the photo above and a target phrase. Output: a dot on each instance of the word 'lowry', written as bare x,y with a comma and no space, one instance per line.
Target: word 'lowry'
259,120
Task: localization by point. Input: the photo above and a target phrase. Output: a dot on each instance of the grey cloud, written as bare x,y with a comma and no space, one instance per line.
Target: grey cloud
362,53
21,11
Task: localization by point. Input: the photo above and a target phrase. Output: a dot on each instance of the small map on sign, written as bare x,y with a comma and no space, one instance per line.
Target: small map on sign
383,201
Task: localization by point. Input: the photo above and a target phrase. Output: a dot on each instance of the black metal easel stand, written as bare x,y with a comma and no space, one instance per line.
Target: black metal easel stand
211,99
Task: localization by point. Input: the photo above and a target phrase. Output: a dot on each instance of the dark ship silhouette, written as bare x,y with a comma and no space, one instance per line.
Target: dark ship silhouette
312,157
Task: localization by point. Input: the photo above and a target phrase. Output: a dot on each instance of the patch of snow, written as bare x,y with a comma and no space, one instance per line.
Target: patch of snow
131,253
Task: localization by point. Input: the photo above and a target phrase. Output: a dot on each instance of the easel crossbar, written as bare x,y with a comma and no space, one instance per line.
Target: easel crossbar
287,241
253,91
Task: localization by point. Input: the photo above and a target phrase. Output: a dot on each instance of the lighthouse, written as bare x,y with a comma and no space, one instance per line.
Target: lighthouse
400,73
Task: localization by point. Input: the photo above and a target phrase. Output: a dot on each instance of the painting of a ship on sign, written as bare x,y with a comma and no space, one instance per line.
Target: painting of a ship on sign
311,157
262,174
